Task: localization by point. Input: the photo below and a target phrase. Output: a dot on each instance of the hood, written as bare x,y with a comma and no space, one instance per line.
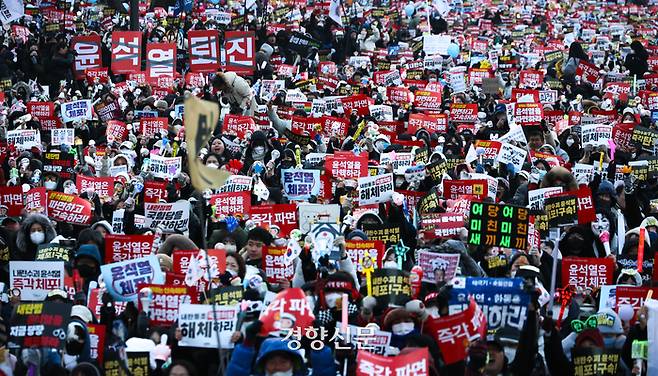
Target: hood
23,237
176,241
278,345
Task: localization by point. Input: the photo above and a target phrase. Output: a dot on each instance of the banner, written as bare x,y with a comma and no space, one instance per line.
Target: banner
87,52
103,186
375,189
527,114
441,265
35,279
561,210
203,50
39,325
464,113
357,249
347,166
126,51
12,198
454,333
452,189
228,295
300,184
412,363
442,225
644,136
200,118
150,127
359,103
170,217
77,110
391,286
165,167
53,252
427,100
498,225
68,208
41,109
126,247
24,139
237,204
282,215
288,310
277,265
165,302
200,325
123,278
238,125
431,123
587,272
596,134
160,61
595,361
240,51
389,234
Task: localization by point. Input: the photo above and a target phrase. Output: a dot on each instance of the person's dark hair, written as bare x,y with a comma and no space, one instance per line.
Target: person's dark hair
242,268
187,365
639,49
88,235
219,157
576,51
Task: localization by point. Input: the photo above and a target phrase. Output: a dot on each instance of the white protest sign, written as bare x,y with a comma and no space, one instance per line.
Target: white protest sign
375,189
117,221
77,110
34,279
515,134
511,154
399,161
309,214
236,183
24,139
381,112
62,136
436,44
536,197
492,183
269,88
596,134
200,324
295,95
165,167
170,217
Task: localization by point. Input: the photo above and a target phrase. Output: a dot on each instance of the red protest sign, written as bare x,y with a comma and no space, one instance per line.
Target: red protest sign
587,272
231,203
127,247
398,94
306,125
95,303
240,51
154,191
477,75
431,123
276,264
518,93
12,198
412,363
96,341
149,127
92,74
453,333
68,208
464,112
454,188
163,308
116,131
282,215
195,79
35,200
586,211
531,79
622,133
632,295
87,50
526,114
427,100
204,50
103,186
288,310
50,123
335,126
347,166
160,61
587,71
357,249
41,109
238,125
358,102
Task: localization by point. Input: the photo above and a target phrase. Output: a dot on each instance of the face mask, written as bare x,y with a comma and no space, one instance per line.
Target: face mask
402,328
390,264
37,237
510,353
87,272
432,311
50,185
541,174
230,248
287,164
258,153
69,190
284,373
570,142
332,298
212,165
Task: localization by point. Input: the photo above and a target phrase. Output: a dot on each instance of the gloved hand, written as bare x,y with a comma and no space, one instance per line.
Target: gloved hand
251,332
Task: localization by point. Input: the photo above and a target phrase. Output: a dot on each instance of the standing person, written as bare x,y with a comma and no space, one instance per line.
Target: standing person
636,61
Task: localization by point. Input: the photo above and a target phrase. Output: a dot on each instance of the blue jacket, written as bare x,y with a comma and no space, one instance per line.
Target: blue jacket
243,358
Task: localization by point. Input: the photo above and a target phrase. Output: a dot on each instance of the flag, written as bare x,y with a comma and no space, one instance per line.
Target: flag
335,12
200,120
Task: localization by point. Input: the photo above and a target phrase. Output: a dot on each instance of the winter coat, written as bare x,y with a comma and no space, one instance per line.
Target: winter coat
25,249
237,90
243,357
